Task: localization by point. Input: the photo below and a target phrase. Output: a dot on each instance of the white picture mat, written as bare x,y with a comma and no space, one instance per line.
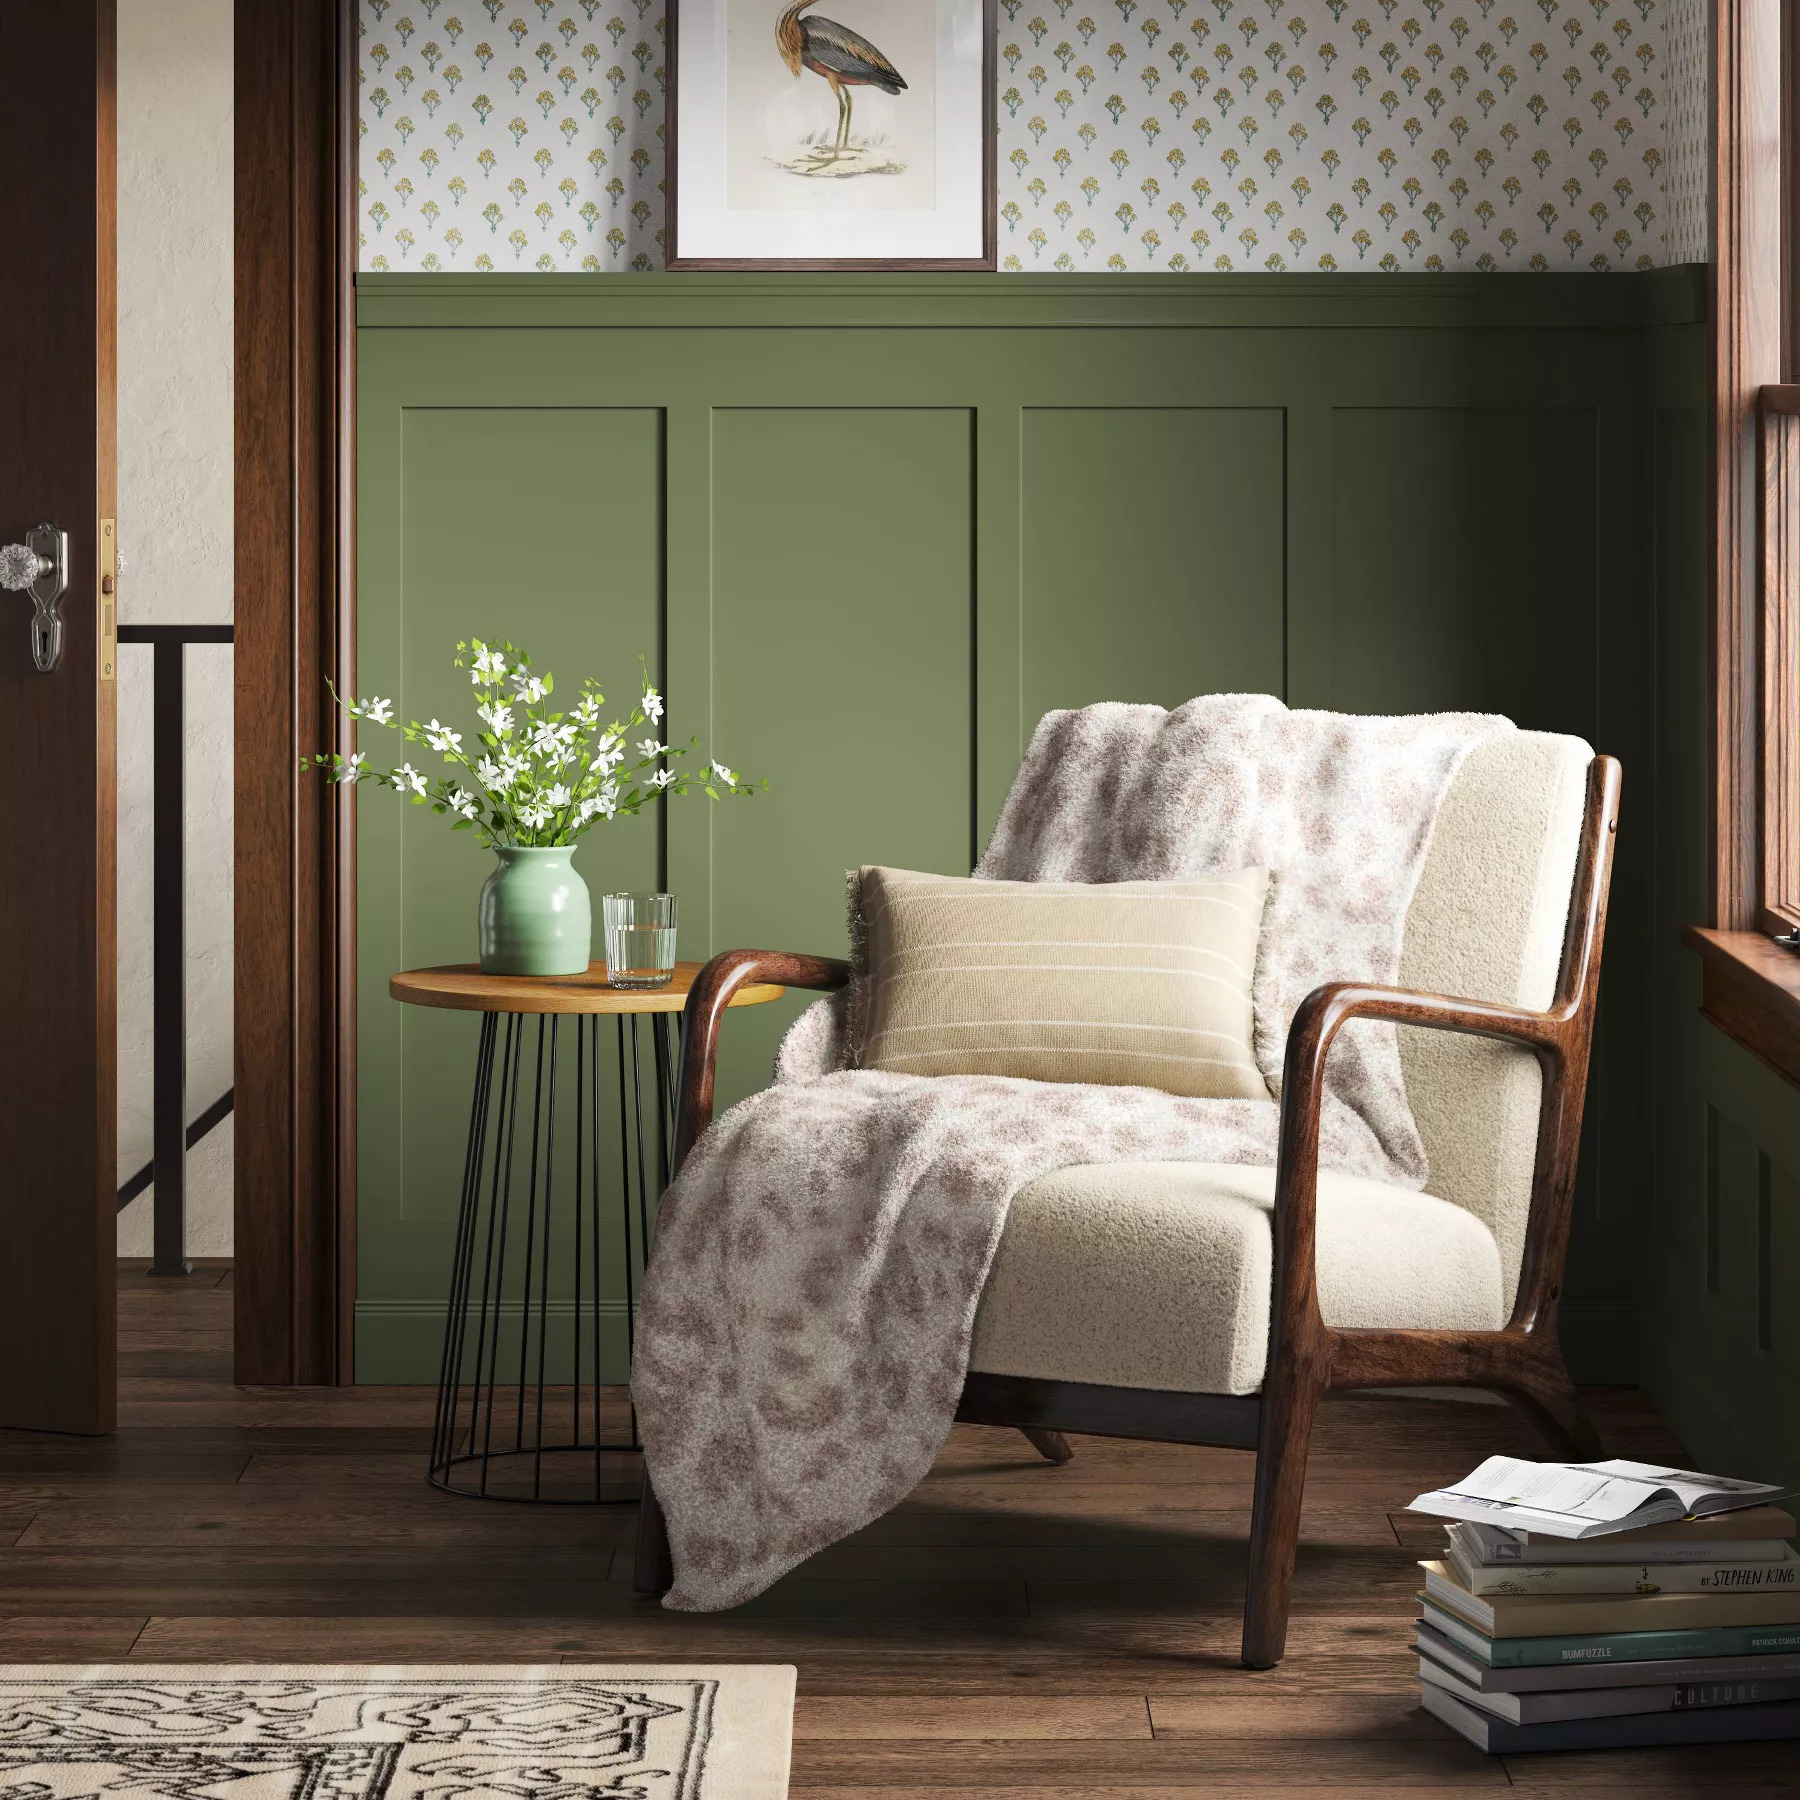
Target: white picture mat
706,226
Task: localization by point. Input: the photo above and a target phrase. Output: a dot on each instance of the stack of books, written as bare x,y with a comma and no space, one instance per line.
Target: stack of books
1593,1606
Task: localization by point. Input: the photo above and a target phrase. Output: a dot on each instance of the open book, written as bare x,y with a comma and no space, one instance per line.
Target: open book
1583,1500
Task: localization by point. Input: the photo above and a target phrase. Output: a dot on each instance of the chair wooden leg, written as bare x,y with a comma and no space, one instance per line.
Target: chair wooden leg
1546,1396
653,1571
1052,1446
1289,1396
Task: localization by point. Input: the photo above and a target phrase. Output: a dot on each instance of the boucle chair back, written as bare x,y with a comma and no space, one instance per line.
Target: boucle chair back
1487,923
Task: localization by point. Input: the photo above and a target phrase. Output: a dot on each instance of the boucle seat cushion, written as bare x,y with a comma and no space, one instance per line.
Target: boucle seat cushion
1157,1275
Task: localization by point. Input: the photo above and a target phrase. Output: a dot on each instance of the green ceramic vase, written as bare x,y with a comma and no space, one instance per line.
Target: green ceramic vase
534,917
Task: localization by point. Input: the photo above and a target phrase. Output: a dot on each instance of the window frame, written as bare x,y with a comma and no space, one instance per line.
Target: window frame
1755,794
1777,910
1750,986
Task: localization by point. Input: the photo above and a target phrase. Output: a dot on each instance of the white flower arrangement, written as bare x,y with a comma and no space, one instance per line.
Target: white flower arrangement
532,778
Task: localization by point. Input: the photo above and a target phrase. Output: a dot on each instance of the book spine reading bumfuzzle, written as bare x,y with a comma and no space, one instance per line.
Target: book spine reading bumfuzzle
1614,1646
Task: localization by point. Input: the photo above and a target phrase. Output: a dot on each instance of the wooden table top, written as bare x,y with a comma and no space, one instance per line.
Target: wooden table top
461,987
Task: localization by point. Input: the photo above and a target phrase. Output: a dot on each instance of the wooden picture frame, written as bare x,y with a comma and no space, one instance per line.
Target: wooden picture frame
782,259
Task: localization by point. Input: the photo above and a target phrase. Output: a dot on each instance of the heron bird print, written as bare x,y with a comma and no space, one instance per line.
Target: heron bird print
845,58
895,169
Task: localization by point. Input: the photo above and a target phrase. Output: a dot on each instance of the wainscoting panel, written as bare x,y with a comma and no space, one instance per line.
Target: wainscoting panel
484,522
868,530
1466,548
1778,1268
1173,516
1722,1354
1476,560
843,626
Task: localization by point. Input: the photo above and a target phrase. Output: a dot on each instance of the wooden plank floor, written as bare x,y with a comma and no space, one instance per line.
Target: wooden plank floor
1013,1632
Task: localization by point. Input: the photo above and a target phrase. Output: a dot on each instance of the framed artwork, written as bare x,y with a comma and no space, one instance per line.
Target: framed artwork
797,140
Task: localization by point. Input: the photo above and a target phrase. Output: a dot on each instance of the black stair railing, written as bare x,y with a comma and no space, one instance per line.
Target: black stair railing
173,1135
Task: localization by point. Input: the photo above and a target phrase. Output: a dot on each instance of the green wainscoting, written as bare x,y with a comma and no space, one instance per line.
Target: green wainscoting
1169,516
865,530
1721,1339
1511,510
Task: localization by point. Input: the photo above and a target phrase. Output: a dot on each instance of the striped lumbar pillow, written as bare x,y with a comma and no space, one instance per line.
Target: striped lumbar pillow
1131,983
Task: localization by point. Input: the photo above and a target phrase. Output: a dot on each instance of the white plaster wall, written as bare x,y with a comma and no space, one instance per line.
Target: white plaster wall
175,533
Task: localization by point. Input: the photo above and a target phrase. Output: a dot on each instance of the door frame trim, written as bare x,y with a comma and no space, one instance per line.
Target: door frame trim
294,260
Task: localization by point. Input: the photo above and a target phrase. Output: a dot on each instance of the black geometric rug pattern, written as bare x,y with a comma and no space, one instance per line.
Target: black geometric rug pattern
364,1734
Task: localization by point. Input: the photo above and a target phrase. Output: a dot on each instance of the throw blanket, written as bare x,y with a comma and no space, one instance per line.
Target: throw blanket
805,1326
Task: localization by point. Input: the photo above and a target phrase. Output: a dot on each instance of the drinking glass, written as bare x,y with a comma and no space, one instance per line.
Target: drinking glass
640,939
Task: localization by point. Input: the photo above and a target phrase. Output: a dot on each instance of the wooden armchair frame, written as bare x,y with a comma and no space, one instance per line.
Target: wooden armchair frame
1522,1361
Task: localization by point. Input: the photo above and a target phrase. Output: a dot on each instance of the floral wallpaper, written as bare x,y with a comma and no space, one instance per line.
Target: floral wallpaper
1165,135
506,135
1687,177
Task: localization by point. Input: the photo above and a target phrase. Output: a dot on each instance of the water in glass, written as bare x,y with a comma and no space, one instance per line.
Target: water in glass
640,939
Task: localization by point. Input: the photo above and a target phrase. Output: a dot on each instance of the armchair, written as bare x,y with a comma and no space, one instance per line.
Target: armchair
1089,1324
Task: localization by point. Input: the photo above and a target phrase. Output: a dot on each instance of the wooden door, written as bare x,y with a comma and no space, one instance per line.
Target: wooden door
58,1124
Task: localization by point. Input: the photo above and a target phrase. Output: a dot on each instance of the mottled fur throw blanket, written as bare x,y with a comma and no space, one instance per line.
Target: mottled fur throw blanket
805,1327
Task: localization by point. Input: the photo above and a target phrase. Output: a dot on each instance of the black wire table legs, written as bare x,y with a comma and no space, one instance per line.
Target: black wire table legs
551,1240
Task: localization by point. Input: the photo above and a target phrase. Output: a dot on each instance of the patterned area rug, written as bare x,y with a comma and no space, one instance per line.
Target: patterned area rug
429,1731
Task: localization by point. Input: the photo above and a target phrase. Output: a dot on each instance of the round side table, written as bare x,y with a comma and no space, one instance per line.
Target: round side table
519,1392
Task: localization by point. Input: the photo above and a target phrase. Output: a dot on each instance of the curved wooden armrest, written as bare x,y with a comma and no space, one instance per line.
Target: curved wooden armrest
1559,1040
707,1001
1560,1037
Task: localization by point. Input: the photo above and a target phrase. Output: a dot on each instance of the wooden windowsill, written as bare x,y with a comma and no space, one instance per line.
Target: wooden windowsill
1751,991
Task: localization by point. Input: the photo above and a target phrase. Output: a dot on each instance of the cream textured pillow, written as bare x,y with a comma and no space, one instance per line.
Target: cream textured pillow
1129,983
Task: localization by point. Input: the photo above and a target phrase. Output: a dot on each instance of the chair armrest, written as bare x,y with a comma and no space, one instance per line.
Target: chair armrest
707,1000
1558,1038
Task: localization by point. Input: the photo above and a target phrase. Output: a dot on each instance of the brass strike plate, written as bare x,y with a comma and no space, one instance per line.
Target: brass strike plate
109,599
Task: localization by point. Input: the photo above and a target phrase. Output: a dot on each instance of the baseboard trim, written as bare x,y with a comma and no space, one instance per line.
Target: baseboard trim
401,1342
